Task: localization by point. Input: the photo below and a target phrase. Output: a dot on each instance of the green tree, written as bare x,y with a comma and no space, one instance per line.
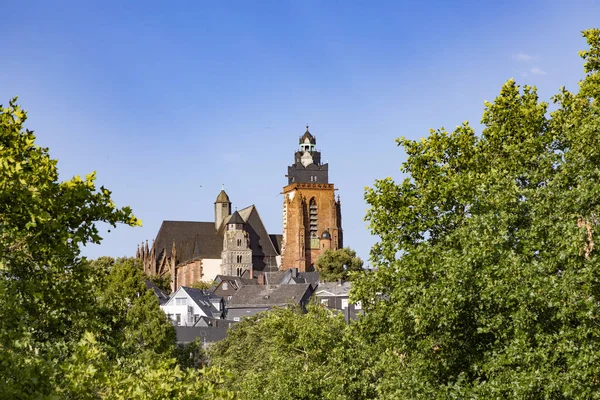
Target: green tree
338,264
163,282
133,322
488,280
43,223
54,304
202,285
288,354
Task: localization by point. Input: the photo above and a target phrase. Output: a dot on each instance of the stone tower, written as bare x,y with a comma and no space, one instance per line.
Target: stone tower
222,208
312,220
236,257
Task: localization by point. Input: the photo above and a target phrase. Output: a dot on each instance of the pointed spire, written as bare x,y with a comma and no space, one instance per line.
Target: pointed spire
146,249
137,251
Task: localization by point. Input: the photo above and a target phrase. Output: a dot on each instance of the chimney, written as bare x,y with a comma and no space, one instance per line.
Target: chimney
261,279
294,272
340,281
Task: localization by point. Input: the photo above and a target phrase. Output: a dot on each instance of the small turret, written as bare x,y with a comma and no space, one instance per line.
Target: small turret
222,208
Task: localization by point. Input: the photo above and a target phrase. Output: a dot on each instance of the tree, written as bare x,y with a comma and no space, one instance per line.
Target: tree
163,282
43,223
53,302
488,280
287,354
338,264
202,285
133,322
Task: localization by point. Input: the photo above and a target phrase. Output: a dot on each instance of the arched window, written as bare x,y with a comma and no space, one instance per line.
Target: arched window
239,242
313,223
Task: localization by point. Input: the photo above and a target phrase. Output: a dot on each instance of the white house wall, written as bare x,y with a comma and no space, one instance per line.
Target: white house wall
210,269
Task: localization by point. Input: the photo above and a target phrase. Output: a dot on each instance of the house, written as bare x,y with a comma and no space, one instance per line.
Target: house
187,305
250,300
290,277
335,295
226,286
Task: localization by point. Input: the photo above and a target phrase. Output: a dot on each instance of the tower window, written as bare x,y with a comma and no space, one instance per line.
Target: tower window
313,222
239,242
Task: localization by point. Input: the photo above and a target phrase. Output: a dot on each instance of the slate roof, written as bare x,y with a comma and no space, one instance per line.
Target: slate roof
162,296
333,289
268,295
309,136
309,277
236,218
222,197
275,278
252,218
276,240
202,240
239,281
197,239
208,334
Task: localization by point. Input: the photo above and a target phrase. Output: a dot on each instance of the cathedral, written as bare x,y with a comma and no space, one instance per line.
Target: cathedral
238,244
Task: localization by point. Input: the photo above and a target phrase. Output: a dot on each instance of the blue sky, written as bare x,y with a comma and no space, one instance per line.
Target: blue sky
169,100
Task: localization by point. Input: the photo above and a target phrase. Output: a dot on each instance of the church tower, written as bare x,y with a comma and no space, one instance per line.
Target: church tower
236,257
312,220
222,208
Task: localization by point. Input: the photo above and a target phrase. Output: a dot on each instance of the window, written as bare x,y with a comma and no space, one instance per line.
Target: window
236,318
358,305
325,302
225,286
239,242
344,303
178,319
229,298
313,220
196,318
180,301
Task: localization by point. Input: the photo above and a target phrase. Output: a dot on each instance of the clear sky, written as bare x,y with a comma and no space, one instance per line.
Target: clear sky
169,100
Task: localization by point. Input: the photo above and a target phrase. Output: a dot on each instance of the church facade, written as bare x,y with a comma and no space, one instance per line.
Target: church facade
238,244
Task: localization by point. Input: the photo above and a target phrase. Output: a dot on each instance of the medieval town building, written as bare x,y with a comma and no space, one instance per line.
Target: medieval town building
238,244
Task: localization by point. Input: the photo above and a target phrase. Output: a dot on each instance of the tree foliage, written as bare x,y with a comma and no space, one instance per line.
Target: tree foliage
488,281
70,328
338,264
132,321
286,354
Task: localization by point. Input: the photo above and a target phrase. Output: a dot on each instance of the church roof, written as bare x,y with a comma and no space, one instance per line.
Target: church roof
201,239
236,218
222,197
277,240
197,239
309,136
